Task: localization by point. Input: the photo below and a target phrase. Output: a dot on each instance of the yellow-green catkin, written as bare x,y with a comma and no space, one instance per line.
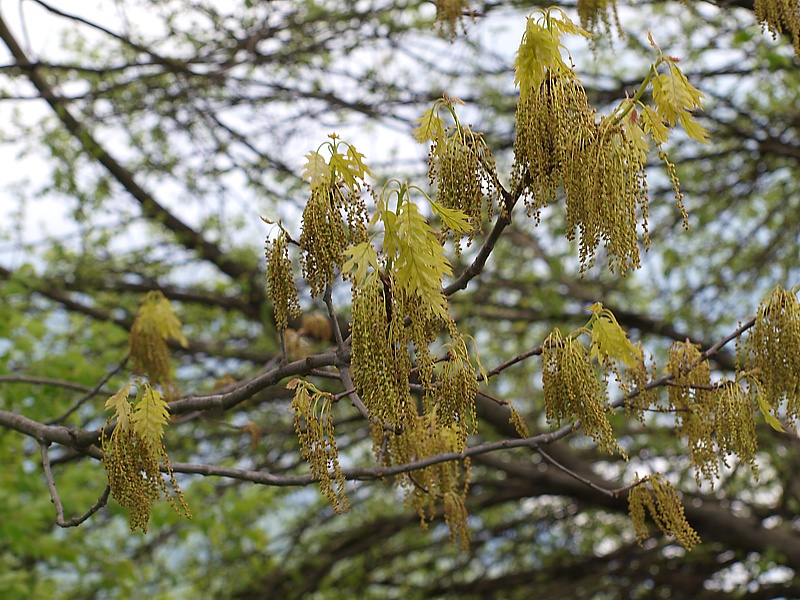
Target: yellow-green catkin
280,282
444,484
462,169
455,392
154,324
134,476
661,500
572,390
780,16
693,399
449,16
606,190
594,13
380,362
550,120
734,425
331,222
561,141
771,350
313,422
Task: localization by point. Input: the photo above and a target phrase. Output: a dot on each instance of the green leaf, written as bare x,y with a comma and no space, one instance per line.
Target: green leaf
675,98
766,410
419,262
362,256
693,129
538,52
316,170
429,126
121,406
150,415
635,133
452,218
345,170
609,340
357,165
653,124
167,322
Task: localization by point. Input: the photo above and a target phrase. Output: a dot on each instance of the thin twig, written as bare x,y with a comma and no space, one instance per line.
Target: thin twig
574,475
342,352
90,394
33,380
51,484
512,361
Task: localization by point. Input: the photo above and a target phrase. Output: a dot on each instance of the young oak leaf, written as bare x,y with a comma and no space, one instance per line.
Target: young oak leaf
452,218
635,133
610,340
653,124
150,415
429,126
316,170
539,51
420,262
357,166
766,410
167,322
121,406
675,98
693,129
362,256
347,170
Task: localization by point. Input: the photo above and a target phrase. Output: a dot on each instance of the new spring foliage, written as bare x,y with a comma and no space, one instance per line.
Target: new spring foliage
393,255
134,449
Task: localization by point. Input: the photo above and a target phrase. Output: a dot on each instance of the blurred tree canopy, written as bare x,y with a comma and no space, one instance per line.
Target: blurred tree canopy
148,137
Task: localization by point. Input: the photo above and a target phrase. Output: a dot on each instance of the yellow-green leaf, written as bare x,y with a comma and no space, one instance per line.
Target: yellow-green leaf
316,170
166,322
362,256
429,126
150,415
419,259
653,124
693,129
357,166
539,51
121,406
636,134
452,218
766,410
674,96
609,340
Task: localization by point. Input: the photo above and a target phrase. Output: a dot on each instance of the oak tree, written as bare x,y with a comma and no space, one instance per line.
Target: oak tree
571,350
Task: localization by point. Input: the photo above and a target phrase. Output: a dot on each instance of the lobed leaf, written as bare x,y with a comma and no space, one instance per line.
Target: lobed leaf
121,406
453,218
609,340
362,256
429,126
316,170
150,415
766,410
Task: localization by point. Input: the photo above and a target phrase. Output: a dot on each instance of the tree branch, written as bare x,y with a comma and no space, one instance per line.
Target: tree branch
188,237
91,393
51,484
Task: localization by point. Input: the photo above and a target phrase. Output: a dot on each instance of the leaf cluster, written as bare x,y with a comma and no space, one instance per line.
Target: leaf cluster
155,323
133,450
